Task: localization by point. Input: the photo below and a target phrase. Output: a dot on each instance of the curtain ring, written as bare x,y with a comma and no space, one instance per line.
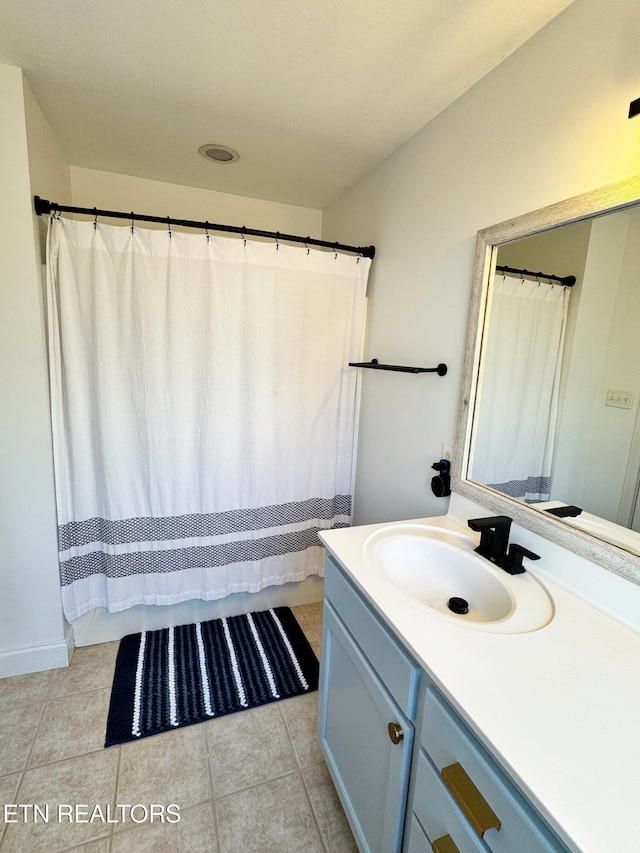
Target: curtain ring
169,226
133,220
335,249
244,239
95,218
206,229
306,246
277,241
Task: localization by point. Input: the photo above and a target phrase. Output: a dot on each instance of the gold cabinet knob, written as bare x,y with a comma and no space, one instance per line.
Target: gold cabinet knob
395,732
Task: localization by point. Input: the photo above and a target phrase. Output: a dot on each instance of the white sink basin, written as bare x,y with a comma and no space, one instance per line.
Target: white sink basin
432,565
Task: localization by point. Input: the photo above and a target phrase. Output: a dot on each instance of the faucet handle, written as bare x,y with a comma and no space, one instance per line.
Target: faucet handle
494,536
491,521
513,561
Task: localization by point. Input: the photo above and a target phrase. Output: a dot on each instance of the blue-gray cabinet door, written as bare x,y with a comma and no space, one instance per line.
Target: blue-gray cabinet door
369,771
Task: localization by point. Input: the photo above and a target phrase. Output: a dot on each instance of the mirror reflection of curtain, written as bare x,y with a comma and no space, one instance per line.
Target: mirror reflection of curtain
515,419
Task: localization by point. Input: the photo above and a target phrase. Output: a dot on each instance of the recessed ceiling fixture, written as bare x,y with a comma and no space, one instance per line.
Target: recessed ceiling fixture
219,153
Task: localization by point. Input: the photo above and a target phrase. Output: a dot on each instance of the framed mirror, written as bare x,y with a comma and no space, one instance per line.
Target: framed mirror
549,416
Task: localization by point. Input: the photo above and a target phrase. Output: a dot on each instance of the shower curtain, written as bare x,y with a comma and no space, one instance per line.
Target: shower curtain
203,410
514,427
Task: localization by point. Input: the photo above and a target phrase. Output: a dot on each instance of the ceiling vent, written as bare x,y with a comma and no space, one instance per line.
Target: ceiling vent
219,153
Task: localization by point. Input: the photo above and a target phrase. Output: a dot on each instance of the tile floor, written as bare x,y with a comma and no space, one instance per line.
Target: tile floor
253,782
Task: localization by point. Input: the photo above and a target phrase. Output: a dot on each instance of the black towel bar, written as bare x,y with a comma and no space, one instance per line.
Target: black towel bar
374,364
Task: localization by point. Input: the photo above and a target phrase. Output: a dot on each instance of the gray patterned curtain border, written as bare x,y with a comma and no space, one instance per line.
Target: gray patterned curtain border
76,534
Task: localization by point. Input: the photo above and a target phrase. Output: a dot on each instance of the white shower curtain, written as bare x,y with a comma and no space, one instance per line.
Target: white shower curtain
203,410
514,426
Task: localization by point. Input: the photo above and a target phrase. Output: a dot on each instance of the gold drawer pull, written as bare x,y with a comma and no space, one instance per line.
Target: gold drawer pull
476,809
395,732
444,845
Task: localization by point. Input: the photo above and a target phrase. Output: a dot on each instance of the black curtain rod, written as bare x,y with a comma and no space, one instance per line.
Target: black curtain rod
46,208
566,280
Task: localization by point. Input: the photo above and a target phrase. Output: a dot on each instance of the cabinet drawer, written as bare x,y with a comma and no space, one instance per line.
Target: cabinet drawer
436,810
395,667
447,741
418,841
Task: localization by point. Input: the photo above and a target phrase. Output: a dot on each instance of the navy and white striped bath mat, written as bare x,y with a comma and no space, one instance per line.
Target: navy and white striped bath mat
183,675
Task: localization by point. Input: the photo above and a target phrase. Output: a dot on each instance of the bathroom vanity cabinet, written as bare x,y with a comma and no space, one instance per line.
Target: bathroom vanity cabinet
368,698
411,775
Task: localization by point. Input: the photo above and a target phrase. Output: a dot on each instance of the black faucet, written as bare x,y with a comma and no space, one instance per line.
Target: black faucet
494,543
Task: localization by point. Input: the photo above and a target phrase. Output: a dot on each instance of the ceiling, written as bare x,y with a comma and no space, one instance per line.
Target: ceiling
312,94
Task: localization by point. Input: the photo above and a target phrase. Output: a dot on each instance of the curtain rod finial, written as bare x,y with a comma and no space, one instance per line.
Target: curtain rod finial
41,206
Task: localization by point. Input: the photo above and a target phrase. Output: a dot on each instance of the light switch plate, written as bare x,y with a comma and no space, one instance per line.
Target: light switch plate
619,399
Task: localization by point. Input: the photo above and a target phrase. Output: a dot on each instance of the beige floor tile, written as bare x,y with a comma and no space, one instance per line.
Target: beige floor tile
315,643
193,833
301,718
28,689
247,761
91,668
71,726
274,817
334,827
169,768
8,791
99,846
248,748
17,733
87,780
98,655
309,617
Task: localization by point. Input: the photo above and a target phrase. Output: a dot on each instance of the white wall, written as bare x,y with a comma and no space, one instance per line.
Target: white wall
548,123
109,191
31,623
49,170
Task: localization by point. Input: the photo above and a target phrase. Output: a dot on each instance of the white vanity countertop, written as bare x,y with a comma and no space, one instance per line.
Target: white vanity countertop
559,707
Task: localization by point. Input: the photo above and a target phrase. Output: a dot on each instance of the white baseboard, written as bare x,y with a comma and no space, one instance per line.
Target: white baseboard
26,659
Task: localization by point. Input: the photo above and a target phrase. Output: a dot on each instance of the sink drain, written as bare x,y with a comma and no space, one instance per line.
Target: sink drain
458,605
